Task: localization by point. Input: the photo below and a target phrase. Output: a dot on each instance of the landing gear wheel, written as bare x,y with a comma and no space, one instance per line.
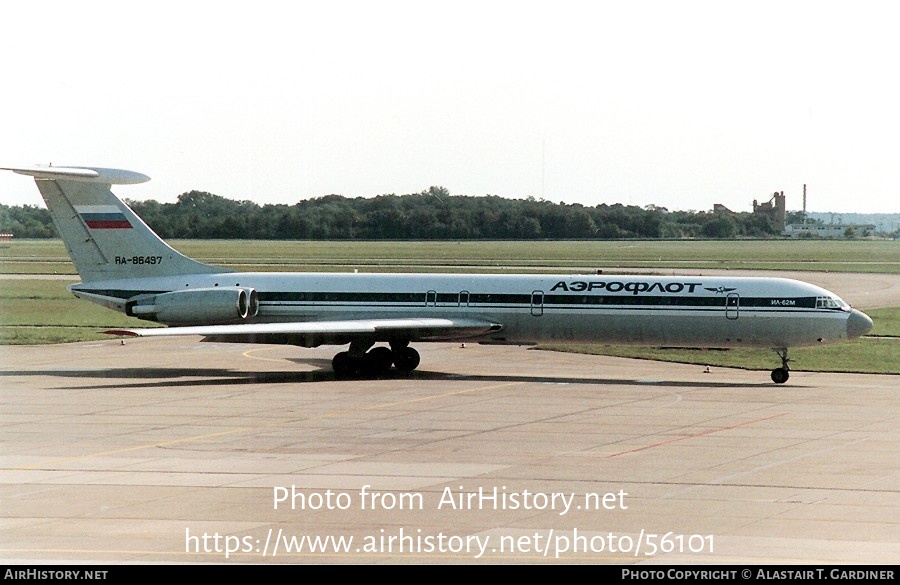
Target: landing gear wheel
406,359
379,360
780,375
344,365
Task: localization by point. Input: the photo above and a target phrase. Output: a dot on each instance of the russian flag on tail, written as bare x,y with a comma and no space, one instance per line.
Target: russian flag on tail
102,217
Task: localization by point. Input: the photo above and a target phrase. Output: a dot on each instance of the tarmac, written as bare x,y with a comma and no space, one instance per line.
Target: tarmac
175,451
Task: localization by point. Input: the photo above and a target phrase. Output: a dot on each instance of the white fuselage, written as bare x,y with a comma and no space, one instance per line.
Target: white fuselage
676,311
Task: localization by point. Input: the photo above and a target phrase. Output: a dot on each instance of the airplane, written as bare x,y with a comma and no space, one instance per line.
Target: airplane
127,267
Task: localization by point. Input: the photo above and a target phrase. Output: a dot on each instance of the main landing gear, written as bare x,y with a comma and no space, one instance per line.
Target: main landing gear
359,360
781,375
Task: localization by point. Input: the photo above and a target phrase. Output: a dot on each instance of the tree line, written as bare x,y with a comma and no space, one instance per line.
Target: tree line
433,214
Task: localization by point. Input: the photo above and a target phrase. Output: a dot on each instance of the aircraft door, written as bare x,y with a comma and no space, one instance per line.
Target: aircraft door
463,298
537,303
732,305
431,298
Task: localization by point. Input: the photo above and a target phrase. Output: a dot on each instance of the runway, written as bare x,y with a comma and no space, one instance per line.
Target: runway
174,451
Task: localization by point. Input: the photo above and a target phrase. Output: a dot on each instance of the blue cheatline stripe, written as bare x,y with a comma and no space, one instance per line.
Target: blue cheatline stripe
509,301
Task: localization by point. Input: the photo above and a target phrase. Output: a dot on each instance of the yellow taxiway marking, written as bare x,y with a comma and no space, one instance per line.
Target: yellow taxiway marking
247,353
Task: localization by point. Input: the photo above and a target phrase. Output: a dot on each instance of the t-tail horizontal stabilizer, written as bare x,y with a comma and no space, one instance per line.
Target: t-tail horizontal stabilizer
83,174
105,238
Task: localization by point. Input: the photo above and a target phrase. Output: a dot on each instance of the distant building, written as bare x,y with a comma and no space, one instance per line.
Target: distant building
828,230
6,237
775,209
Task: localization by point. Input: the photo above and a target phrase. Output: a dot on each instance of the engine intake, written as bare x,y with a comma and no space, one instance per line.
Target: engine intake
206,306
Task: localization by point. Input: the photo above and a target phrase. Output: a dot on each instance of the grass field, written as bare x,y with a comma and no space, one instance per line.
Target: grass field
879,256
869,355
39,311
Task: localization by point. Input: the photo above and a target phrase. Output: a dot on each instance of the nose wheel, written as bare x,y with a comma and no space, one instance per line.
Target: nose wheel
781,375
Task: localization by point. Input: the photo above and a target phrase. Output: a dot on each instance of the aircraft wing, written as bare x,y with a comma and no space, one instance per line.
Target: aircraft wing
327,332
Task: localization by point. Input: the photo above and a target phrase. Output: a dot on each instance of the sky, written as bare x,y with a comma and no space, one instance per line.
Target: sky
677,104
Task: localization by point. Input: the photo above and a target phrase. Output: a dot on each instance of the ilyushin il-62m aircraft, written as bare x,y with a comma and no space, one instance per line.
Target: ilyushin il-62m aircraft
126,267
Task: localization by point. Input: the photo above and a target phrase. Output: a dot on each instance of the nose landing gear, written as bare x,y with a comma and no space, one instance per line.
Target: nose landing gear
781,375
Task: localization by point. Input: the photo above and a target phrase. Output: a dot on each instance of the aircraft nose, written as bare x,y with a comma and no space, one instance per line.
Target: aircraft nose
858,324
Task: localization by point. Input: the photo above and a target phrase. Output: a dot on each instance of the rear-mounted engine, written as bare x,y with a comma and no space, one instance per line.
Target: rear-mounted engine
208,306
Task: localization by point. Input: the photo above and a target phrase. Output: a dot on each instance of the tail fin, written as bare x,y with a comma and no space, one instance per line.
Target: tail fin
104,237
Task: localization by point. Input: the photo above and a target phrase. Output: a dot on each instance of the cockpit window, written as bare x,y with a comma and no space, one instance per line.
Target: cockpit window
831,303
